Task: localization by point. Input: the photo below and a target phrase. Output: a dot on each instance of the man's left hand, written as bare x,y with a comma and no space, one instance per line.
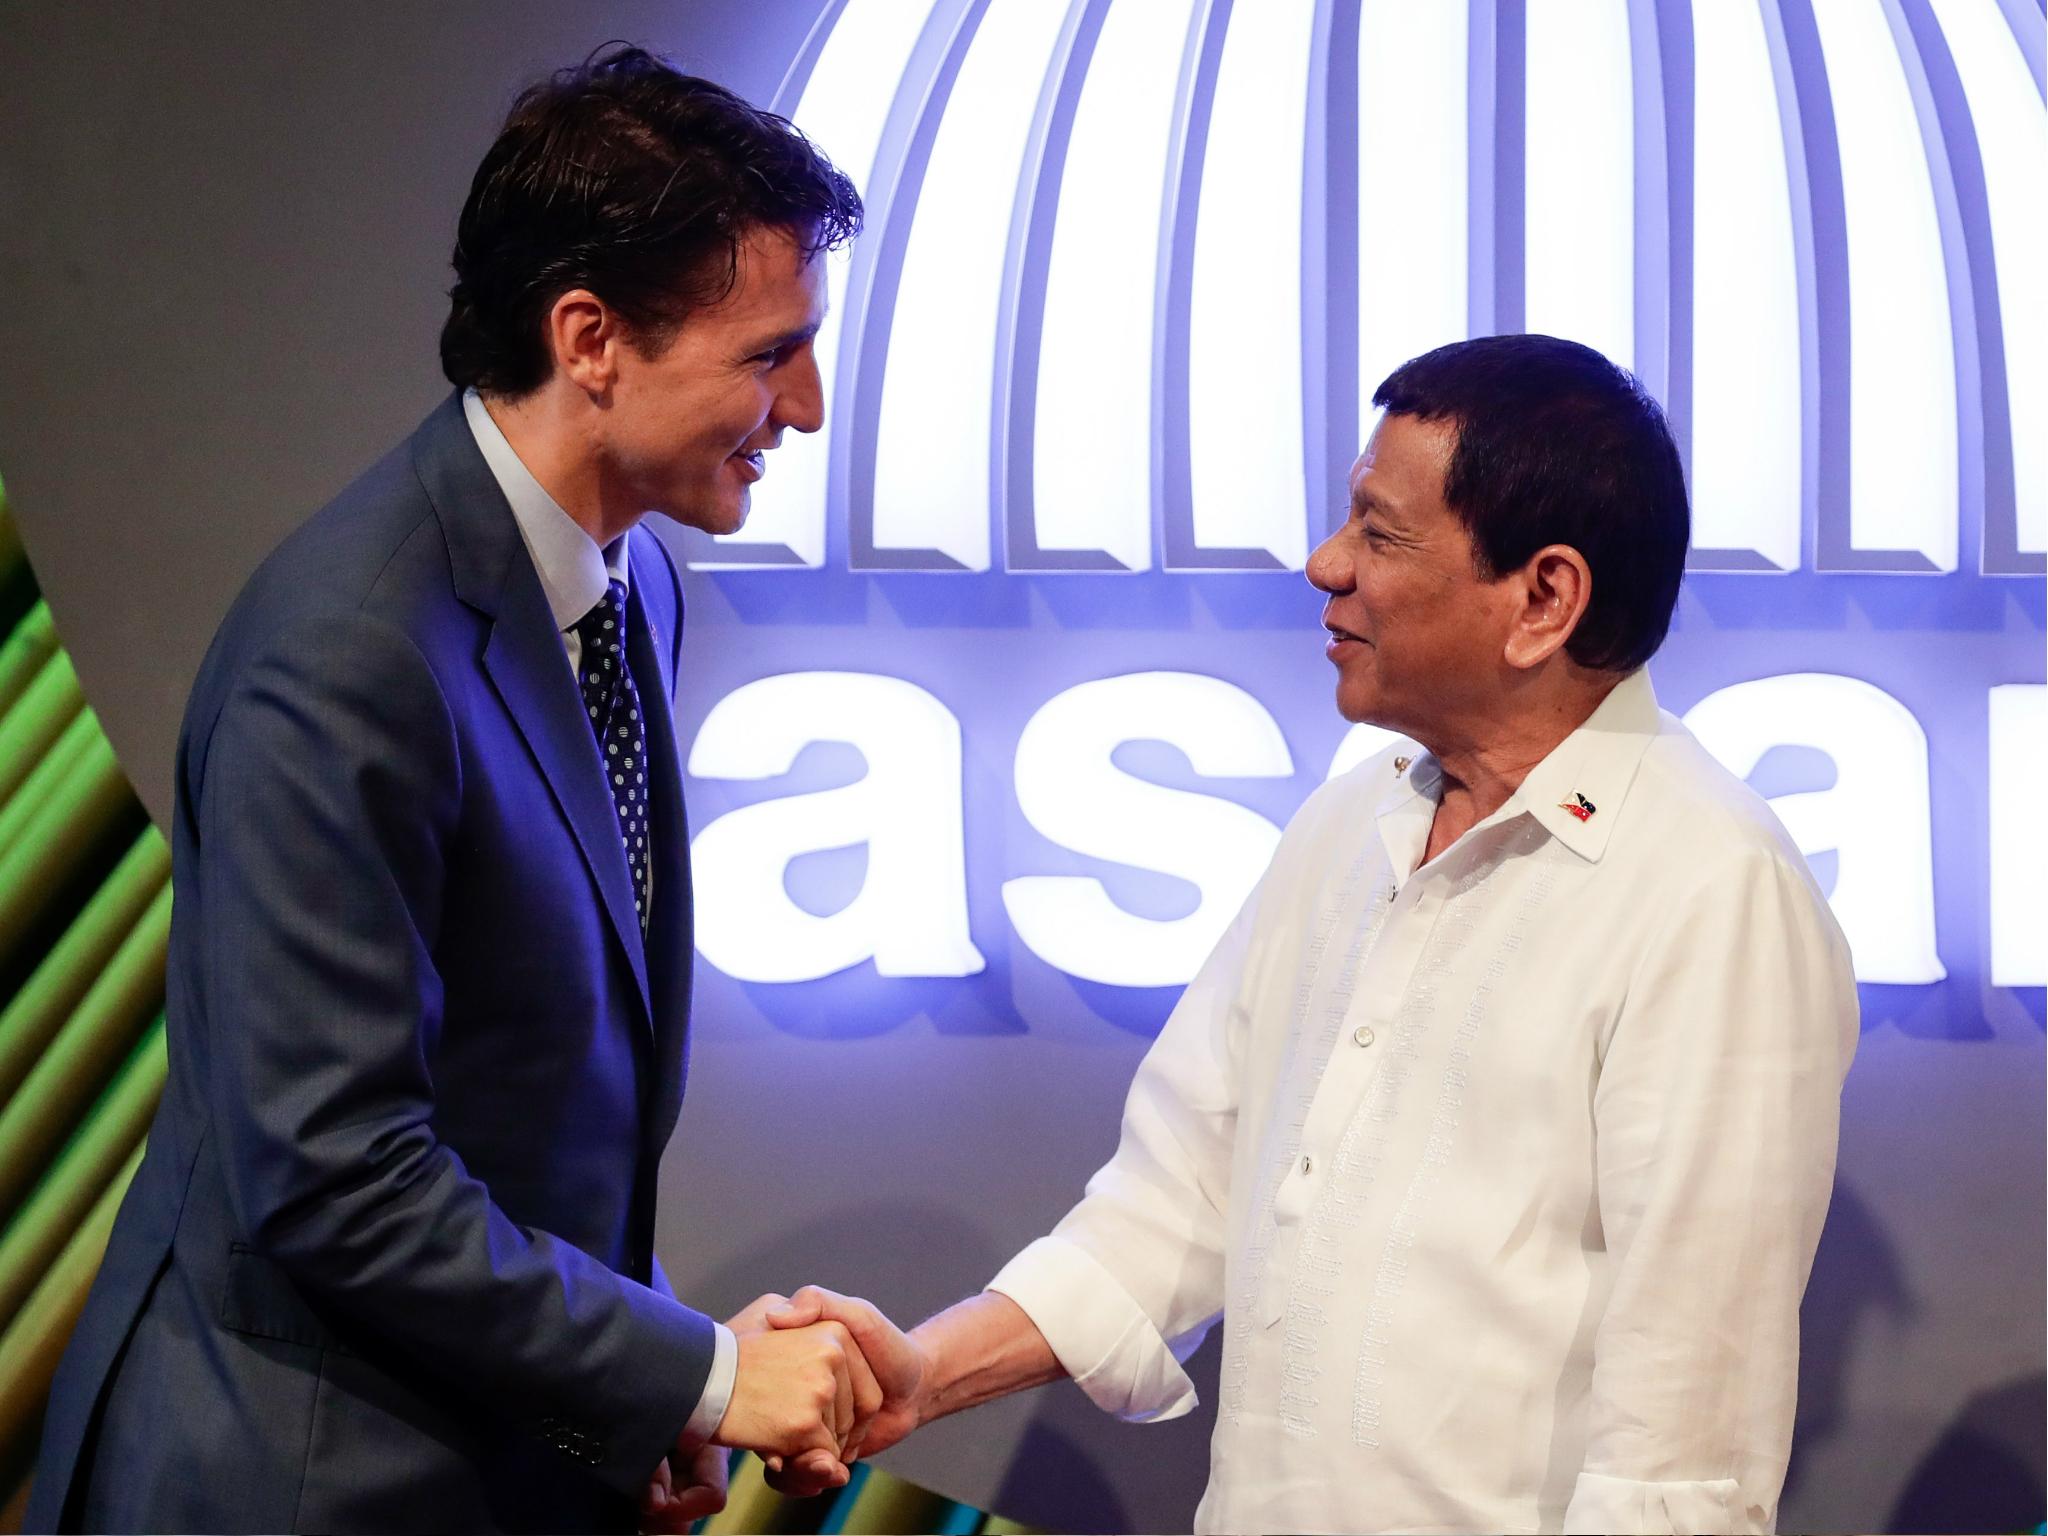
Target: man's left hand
670,1508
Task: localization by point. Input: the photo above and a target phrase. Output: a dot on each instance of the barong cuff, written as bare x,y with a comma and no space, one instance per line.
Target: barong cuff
1602,1503
1098,1333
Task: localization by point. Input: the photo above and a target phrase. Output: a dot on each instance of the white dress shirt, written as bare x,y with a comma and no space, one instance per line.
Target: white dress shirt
575,574
1505,1173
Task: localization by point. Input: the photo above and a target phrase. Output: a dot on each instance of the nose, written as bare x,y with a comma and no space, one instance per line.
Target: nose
1329,566
801,401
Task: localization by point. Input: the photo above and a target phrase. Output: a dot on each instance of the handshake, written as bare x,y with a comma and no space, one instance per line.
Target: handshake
822,1378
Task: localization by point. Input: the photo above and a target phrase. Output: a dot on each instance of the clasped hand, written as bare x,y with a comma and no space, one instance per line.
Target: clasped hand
821,1379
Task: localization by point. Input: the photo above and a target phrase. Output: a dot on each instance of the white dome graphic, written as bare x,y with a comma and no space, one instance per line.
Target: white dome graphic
1133,268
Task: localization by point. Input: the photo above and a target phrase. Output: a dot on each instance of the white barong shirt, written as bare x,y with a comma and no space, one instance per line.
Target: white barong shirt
1505,1174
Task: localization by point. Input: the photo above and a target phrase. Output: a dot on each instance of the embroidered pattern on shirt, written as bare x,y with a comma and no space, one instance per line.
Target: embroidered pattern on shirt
1295,1086
1328,1234
1391,1275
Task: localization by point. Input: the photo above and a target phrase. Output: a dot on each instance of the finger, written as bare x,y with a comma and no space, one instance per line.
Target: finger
808,1475
711,1466
867,1394
753,1317
669,1520
655,1494
694,1504
879,1339
668,1509
656,1506
841,1357
821,1302
705,1494
824,1471
798,1311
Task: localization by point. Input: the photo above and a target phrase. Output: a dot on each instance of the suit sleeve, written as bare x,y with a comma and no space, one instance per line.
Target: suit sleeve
329,798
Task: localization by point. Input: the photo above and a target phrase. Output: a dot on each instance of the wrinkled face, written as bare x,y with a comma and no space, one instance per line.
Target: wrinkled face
688,428
1417,636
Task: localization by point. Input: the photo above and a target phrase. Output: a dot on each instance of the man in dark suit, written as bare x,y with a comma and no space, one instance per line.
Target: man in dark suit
388,1264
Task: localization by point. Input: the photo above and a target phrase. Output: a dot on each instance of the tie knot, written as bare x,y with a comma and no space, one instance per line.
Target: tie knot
605,625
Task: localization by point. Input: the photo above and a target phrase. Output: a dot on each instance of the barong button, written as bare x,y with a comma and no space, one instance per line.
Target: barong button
1362,1034
1307,1166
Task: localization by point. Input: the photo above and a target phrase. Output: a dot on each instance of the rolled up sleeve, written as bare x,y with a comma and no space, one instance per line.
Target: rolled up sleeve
1131,1280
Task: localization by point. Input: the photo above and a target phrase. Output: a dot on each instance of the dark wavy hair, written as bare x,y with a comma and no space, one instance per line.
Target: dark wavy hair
1557,445
625,176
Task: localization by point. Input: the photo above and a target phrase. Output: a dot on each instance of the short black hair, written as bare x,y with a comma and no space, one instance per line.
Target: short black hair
1557,445
625,176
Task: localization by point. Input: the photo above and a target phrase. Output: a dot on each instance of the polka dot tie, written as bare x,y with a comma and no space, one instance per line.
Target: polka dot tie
613,704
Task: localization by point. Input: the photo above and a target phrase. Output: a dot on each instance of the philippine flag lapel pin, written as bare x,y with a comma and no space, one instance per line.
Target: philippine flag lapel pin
1578,805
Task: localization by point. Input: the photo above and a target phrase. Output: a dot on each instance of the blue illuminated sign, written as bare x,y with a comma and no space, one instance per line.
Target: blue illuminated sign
1105,351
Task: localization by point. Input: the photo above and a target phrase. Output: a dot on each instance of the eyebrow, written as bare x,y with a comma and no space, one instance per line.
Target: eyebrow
792,338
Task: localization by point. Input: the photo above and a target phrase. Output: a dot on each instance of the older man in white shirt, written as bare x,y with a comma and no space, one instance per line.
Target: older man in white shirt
1500,1127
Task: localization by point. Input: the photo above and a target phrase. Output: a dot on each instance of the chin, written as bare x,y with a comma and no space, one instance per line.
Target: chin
1356,698
1361,706
717,518
1357,714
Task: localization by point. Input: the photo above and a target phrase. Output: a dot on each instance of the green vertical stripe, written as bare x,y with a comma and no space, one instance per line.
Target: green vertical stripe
111,1131
842,1503
33,642
46,999
885,1502
750,1504
100,1031
74,807
49,703
996,1525
33,1342
72,747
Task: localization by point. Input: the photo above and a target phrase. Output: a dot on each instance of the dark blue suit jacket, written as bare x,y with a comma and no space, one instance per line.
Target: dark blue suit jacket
388,1263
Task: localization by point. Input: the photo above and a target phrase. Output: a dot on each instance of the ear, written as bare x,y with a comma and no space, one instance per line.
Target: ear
1553,590
584,335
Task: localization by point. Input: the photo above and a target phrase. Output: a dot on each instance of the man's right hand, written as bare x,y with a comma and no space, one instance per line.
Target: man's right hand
799,1390
902,1370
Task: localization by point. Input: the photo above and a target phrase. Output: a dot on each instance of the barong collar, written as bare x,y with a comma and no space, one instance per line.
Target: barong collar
1575,794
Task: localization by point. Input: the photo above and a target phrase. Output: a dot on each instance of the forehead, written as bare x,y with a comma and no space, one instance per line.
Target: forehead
775,283
1401,469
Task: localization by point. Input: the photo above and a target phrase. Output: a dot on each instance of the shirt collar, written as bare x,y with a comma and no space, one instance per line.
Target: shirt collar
574,572
1575,793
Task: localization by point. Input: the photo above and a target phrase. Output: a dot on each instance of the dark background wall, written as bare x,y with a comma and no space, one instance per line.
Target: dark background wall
223,238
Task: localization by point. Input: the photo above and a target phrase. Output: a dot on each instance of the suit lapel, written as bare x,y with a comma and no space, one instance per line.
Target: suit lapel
670,939
525,661
527,666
